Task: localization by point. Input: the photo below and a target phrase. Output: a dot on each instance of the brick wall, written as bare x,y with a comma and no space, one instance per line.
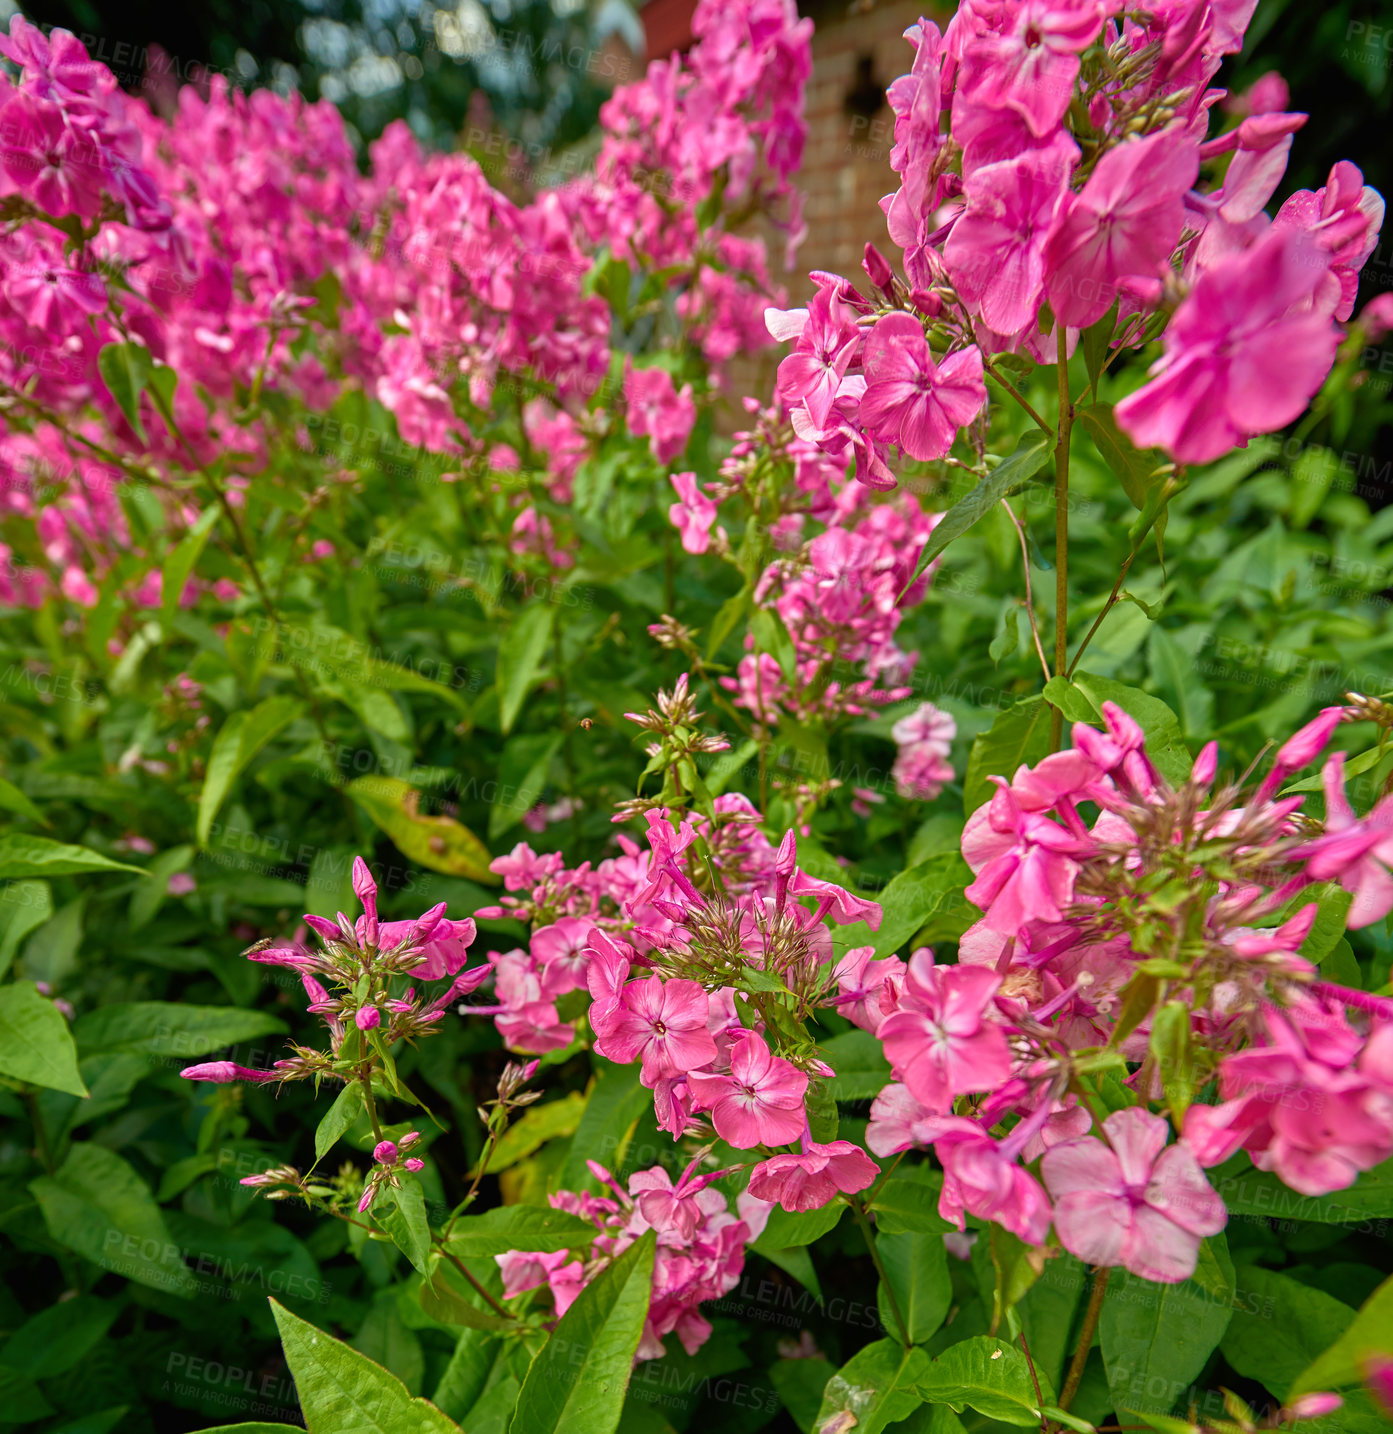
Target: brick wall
846,166
858,48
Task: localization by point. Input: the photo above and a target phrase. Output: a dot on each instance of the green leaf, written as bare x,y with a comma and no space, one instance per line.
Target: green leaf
404,1219
344,1392
1170,1048
908,901
1280,1327
24,905
126,369
98,1207
534,1127
56,1339
617,1100
149,895
24,855
437,843
241,737
522,777
1246,1191
1160,1336
1312,476
21,1400
785,1230
1008,477
905,1204
1370,1332
174,576
169,1028
519,656
724,623
13,800
441,1301
519,1227
1095,343
347,1107
1175,674
917,1269
876,1386
1135,470
800,1383
988,1375
578,1379
1020,734
256,1427
772,636
35,1043
859,1061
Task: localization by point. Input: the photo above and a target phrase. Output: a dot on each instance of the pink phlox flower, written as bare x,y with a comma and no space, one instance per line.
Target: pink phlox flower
982,1178
662,1024
1344,218
560,950
759,1103
899,1122
860,981
1135,1201
672,1208
1356,852
525,1270
1123,224
693,514
828,340
940,1042
996,250
1028,863
225,1072
1244,352
809,1180
835,900
913,400
1031,64
659,411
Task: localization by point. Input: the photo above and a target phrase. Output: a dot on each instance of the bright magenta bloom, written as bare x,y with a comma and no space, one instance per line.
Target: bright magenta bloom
664,1025
808,1181
939,1040
910,399
996,251
1244,352
759,1103
1122,225
1141,1204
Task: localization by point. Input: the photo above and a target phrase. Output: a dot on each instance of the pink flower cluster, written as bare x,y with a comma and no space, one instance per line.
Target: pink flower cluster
1055,170
925,738
839,598
1081,919
242,248
359,959
700,1249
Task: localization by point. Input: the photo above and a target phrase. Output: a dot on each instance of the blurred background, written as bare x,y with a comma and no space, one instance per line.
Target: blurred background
519,83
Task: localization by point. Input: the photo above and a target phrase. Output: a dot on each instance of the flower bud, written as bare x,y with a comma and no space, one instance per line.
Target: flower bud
413,1165
877,268
385,1152
367,1018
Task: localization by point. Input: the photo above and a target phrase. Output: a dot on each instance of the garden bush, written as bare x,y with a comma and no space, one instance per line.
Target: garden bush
547,892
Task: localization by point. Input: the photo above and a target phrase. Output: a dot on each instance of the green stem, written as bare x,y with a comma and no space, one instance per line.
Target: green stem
365,1080
858,1210
1015,393
493,1304
1061,532
1090,1325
